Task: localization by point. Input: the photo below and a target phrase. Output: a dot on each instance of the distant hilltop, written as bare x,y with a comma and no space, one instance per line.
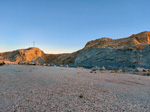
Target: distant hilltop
131,51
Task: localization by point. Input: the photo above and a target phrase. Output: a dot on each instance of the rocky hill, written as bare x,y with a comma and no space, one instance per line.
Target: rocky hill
130,52
24,55
141,38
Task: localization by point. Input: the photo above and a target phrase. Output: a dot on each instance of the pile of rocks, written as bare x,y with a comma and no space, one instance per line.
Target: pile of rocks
142,71
94,69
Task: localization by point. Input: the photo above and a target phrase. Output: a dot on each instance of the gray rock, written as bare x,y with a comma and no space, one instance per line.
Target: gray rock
61,66
48,64
138,69
103,68
44,64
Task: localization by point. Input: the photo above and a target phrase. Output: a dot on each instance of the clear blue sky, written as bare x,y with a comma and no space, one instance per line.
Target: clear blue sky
66,25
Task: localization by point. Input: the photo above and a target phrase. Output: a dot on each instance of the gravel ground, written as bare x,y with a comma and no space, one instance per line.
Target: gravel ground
58,89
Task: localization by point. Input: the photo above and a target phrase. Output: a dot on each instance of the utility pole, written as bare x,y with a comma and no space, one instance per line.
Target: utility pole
33,43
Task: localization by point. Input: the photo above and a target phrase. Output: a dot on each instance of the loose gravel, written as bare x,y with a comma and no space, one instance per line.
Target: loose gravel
59,89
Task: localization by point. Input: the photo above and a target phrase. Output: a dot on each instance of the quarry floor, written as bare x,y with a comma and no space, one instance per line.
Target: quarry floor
58,89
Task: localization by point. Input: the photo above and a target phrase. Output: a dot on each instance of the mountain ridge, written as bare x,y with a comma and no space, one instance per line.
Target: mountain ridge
136,41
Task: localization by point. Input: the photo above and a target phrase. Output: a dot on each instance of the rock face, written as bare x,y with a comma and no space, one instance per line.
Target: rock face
130,53
115,58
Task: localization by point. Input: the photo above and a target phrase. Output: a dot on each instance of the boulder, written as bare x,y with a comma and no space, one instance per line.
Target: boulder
67,66
138,69
44,64
95,68
61,66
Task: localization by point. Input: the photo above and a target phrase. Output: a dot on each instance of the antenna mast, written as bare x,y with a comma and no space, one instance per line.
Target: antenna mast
33,43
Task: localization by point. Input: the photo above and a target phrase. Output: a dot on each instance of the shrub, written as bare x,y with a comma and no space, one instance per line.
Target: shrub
144,70
81,96
115,70
2,63
148,73
123,70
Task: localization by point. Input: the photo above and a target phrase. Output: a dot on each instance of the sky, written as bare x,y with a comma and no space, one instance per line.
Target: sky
64,26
